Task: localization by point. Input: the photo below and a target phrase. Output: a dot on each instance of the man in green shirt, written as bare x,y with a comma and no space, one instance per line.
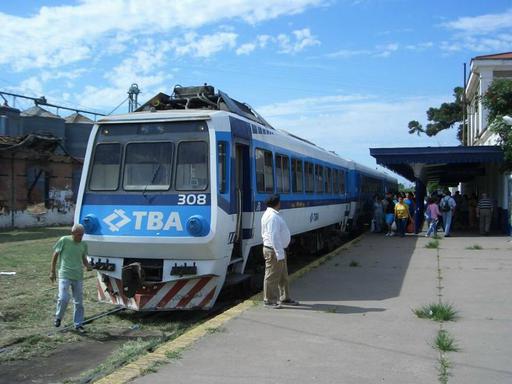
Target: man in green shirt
70,255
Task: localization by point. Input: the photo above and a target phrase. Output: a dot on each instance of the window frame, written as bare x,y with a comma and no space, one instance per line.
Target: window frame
311,165
119,171
283,159
294,179
319,178
176,163
147,187
265,152
222,184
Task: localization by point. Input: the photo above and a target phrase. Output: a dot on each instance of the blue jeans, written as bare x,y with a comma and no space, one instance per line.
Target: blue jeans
62,302
401,224
432,227
447,222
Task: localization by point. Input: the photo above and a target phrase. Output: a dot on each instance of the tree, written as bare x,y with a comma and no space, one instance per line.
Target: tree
445,116
498,101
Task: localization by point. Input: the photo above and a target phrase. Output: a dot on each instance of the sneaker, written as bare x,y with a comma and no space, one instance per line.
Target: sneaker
80,329
271,305
56,323
289,302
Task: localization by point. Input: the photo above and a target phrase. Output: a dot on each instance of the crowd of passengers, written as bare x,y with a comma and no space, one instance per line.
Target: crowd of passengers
394,214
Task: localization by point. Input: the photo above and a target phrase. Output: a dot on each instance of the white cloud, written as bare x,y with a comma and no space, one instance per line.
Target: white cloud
290,44
384,50
58,35
484,33
303,38
482,24
203,46
245,49
32,85
348,53
350,124
420,46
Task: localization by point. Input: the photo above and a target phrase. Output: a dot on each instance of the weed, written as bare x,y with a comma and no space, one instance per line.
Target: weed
174,354
128,352
331,310
215,330
475,247
437,312
432,244
354,263
444,369
153,368
445,343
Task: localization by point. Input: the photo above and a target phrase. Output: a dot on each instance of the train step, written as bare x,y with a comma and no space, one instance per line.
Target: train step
236,278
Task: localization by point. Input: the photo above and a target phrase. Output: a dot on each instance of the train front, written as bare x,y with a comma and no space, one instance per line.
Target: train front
146,206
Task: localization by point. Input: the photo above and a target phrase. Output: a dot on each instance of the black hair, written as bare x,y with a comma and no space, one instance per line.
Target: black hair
273,201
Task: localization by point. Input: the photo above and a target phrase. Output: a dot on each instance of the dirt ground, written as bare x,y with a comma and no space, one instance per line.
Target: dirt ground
71,360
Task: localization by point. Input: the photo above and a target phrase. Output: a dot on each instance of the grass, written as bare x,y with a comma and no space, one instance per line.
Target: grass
330,310
445,343
174,355
444,369
27,303
475,247
437,312
432,244
354,263
213,330
128,352
153,368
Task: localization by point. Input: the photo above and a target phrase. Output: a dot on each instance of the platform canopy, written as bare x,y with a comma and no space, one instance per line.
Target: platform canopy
445,165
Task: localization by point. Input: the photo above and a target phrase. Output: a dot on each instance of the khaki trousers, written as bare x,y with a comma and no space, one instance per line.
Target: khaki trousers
485,220
275,284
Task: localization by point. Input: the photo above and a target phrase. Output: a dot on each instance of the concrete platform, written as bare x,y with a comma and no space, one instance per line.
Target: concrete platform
356,324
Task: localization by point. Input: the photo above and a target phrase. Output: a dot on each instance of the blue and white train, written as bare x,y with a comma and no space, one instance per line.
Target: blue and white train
171,197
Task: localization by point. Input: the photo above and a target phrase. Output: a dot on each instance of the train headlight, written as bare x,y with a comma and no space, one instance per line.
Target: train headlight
90,223
196,225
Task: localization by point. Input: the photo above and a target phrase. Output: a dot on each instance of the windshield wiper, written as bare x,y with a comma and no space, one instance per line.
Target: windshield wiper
153,178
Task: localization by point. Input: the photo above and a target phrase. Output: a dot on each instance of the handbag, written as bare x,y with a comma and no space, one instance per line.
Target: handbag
410,226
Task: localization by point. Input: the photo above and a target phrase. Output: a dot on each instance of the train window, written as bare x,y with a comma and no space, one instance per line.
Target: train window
147,166
105,168
319,173
297,175
222,166
264,175
192,166
335,182
327,180
342,182
310,177
283,173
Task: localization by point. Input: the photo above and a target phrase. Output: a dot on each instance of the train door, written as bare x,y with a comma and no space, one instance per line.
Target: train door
242,197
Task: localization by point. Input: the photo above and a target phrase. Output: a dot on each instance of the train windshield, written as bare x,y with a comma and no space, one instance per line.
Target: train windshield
147,166
151,157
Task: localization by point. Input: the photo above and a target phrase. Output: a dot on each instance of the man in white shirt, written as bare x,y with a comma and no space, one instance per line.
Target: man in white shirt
276,237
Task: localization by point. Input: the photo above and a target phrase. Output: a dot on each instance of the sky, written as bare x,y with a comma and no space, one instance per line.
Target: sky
346,74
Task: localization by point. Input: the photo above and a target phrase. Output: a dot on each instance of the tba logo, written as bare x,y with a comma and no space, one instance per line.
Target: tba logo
116,220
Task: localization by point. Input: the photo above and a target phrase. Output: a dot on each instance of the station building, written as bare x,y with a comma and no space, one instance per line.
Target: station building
477,165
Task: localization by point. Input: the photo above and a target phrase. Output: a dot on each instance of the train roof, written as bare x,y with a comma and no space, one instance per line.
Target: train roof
202,98
202,102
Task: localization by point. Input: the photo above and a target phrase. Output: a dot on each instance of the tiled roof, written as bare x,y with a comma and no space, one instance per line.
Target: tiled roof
496,56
